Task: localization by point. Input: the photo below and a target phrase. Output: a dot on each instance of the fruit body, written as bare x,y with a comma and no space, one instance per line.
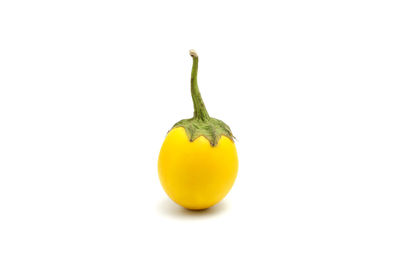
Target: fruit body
198,161
195,174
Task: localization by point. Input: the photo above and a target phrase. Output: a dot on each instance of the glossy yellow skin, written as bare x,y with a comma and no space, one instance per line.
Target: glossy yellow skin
194,174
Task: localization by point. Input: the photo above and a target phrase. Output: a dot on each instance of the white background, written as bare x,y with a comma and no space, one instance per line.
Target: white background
89,89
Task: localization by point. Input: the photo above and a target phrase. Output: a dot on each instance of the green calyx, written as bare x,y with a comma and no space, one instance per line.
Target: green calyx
202,124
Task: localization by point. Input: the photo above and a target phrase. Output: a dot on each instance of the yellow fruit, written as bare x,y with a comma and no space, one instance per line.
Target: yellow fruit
195,174
198,162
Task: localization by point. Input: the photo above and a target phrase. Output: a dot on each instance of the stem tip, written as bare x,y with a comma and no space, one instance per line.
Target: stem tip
193,53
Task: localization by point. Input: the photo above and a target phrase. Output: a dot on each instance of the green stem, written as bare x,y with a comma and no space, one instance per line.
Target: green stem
200,111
